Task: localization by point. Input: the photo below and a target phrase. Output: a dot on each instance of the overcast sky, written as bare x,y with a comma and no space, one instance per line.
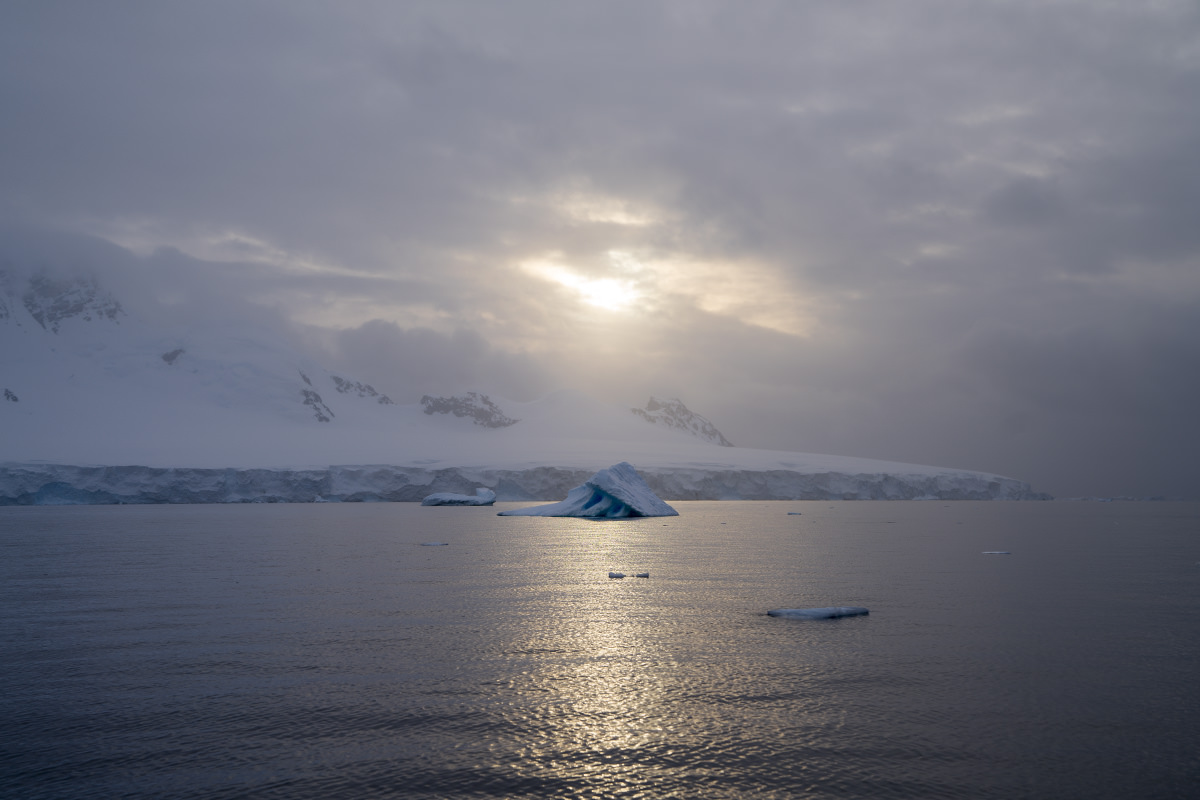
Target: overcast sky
958,233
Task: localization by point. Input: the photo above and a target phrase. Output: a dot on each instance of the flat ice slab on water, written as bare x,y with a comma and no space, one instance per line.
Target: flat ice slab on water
831,612
482,497
616,492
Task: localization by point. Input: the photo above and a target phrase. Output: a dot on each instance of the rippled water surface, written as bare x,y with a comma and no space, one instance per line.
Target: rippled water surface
311,651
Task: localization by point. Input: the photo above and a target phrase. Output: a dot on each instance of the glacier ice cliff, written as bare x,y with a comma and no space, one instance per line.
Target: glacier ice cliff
616,492
482,497
60,484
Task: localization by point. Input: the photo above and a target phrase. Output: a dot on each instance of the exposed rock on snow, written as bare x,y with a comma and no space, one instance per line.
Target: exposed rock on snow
50,301
674,414
831,612
613,493
482,497
346,386
478,407
314,401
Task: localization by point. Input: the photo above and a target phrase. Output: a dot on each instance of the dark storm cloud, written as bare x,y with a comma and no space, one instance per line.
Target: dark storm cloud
929,231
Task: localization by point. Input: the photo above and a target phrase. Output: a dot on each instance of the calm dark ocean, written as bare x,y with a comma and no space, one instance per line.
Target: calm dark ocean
317,651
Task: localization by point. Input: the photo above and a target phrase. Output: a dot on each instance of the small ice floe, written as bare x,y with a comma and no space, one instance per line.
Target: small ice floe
997,553
832,612
616,574
642,575
434,544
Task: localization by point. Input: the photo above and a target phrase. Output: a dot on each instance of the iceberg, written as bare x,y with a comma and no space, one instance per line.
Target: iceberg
831,612
482,497
617,492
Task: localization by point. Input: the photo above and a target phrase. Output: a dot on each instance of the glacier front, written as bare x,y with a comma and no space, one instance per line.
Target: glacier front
616,492
63,484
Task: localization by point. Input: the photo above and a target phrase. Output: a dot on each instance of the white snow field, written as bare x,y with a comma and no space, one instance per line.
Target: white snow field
98,405
613,493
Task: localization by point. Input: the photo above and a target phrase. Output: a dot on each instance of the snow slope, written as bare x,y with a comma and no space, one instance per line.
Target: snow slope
97,405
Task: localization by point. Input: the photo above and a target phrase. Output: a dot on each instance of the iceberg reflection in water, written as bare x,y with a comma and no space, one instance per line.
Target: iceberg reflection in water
830,612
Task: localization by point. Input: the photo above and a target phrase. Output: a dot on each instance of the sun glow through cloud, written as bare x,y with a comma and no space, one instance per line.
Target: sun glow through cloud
610,294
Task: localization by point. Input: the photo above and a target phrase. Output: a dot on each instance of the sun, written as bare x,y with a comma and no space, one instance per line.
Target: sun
610,294
607,293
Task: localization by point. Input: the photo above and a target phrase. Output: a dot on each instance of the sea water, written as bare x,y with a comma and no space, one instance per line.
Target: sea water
395,650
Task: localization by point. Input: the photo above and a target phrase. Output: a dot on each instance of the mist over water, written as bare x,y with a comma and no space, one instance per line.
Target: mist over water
320,650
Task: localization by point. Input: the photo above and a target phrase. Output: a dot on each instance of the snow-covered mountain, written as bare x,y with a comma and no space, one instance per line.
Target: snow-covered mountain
674,414
98,405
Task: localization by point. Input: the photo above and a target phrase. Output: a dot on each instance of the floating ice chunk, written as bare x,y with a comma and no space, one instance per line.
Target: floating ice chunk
997,553
613,493
482,497
616,574
831,612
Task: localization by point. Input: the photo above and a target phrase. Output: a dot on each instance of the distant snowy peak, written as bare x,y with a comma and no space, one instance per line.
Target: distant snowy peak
674,414
52,301
479,408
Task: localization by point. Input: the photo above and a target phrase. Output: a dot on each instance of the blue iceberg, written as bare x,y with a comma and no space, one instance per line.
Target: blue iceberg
617,492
